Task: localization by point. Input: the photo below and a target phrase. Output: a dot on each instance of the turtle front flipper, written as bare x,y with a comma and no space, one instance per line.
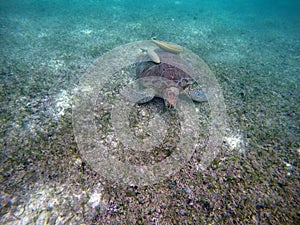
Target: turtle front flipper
198,95
138,96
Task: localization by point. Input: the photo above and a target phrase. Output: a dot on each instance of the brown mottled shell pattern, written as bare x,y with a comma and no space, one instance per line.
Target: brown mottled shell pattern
171,67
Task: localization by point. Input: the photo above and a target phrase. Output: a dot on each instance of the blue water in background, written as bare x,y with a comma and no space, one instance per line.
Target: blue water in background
249,13
123,21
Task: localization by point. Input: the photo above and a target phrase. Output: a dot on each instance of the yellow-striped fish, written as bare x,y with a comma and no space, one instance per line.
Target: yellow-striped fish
170,47
153,56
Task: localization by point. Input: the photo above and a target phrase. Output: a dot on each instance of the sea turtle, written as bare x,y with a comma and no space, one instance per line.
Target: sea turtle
165,79
163,73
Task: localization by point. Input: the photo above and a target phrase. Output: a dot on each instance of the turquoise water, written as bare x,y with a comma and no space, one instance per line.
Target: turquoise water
253,49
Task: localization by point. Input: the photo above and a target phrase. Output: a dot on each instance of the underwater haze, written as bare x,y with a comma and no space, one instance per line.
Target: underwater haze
252,48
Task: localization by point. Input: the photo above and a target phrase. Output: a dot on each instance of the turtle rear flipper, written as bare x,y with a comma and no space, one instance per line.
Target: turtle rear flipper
138,96
198,95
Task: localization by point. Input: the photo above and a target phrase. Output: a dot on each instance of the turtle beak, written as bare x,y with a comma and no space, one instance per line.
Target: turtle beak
170,103
170,96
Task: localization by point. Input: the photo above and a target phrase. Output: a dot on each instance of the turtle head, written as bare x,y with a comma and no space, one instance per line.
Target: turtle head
170,96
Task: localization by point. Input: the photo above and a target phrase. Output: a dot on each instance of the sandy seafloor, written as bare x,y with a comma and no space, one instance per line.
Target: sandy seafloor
254,52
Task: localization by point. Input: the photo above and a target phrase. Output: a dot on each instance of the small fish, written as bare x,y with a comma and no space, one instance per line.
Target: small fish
170,47
153,56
